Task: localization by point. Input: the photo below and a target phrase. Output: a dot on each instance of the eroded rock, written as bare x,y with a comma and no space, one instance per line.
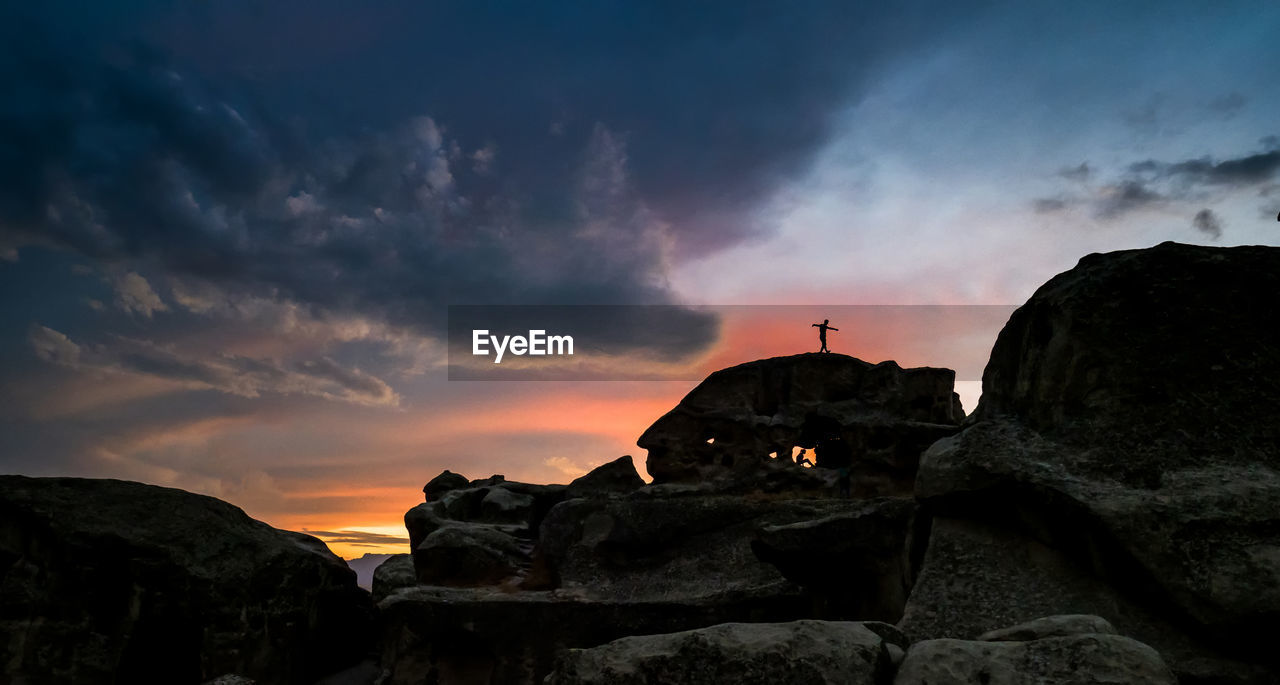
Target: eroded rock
817,652
484,635
1071,660
665,548
446,481
856,560
1127,424
877,417
616,477
393,574
462,554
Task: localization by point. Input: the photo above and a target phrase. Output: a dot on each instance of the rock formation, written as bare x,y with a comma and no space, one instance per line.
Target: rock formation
817,652
1065,650
105,581
1109,513
1124,460
877,418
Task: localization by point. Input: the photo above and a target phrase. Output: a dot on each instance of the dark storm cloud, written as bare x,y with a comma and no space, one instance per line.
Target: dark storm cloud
1248,170
402,158
1124,197
1152,182
1207,223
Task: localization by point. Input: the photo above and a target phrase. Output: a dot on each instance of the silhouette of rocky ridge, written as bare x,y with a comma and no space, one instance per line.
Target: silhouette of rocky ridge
106,581
1110,512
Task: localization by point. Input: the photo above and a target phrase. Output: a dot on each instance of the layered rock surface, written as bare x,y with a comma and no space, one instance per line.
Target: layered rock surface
875,417
1082,659
105,581
1126,444
609,559
1057,650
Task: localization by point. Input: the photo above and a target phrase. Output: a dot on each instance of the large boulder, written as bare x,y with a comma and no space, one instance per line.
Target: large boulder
1127,428
445,482
468,554
393,574
876,417
856,560
817,652
105,581
478,534
1071,660
617,477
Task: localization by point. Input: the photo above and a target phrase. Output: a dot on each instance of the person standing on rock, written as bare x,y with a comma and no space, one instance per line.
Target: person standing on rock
822,333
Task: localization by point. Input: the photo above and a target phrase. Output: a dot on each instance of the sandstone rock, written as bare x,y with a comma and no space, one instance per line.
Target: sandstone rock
444,483
616,477
765,653
856,561
105,581
1127,423
462,554
393,574
879,416
1076,659
1050,626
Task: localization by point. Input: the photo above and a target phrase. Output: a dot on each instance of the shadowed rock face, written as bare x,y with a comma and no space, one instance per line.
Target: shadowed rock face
105,581
855,561
818,652
1070,660
1152,360
880,417
1127,423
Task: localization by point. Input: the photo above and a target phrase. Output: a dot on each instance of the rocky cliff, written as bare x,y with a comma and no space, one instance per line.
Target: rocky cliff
1125,461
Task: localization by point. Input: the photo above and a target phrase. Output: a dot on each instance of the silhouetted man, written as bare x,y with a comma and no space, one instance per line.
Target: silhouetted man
822,333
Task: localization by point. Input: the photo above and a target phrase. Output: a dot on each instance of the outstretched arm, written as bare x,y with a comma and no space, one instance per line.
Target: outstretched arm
833,328
815,325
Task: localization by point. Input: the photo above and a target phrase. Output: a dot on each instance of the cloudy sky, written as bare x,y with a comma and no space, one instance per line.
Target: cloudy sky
229,230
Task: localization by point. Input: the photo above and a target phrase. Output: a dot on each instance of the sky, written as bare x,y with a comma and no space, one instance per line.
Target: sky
230,231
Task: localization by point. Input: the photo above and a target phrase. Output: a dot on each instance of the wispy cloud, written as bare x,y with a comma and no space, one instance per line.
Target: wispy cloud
227,373
1152,183
357,538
